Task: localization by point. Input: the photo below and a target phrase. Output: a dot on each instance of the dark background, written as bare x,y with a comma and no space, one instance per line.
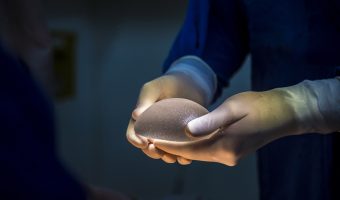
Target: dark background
121,44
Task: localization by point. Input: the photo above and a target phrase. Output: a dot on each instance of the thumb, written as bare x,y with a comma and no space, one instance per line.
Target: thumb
148,96
206,124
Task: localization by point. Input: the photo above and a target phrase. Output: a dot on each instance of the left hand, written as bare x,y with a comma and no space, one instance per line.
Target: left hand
176,85
247,121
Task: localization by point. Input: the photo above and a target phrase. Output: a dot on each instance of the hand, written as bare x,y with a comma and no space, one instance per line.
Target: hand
175,85
247,121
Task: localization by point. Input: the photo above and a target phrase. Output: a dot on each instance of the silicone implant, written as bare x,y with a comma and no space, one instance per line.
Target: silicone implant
167,120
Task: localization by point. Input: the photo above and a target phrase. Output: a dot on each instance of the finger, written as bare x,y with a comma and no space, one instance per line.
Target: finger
149,95
220,117
168,158
153,152
175,148
183,161
200,150
135,140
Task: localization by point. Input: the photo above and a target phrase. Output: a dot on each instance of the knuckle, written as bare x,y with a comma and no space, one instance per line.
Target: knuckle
152,155
232,163
228,155
132,140
230,107
128,135
231,157
129,138
147,85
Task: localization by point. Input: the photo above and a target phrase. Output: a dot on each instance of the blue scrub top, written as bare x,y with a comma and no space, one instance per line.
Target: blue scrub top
289,41
29,166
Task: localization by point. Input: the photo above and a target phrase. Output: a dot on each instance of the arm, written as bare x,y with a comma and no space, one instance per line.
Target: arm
250,120
215,32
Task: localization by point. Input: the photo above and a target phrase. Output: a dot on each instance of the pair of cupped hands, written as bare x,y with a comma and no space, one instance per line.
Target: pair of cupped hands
247,121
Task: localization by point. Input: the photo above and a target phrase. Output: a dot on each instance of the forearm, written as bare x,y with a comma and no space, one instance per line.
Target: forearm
316,105
216,32
199,72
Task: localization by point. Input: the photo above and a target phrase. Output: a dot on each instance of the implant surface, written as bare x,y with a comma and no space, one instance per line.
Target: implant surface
167,119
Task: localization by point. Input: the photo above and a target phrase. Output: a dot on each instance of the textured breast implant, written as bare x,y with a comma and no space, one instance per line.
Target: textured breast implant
167,119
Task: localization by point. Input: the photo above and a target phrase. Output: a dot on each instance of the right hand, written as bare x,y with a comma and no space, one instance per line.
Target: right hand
175,85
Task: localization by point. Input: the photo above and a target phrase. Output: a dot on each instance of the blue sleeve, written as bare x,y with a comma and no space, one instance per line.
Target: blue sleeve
215,31
29,165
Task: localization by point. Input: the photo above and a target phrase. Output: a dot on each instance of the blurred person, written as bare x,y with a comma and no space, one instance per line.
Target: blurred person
29,165
295,51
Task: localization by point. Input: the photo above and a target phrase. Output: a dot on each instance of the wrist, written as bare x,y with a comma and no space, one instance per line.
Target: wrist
304,102
183,86
199,73
285,111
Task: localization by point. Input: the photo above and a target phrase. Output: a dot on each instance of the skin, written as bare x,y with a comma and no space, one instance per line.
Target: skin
169,86
247,120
